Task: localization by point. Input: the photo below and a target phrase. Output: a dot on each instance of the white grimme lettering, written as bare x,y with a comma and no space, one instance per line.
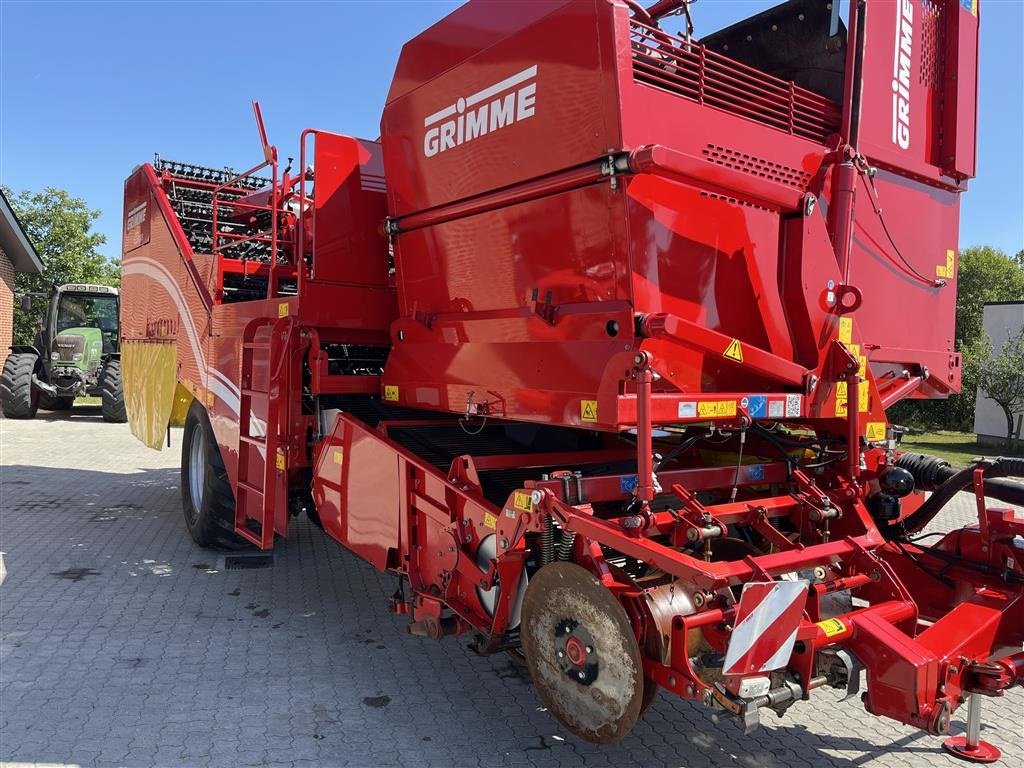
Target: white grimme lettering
489,110
901,64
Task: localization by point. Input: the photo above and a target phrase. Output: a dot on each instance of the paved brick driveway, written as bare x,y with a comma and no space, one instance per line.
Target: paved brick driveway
121,643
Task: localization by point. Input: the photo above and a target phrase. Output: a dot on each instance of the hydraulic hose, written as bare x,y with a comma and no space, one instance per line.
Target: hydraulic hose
936,475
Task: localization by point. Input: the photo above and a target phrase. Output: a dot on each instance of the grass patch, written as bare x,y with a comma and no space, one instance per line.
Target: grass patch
958,448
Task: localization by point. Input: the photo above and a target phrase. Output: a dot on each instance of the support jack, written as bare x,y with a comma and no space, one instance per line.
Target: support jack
970,746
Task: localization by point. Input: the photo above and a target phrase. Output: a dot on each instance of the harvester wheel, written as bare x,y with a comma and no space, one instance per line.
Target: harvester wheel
50,403
206,498
112,392
19,399
583,656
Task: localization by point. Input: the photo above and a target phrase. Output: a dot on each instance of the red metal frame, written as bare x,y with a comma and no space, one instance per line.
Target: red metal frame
652,296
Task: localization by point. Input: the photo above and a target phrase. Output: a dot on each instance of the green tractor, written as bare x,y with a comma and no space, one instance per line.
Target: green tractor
76,354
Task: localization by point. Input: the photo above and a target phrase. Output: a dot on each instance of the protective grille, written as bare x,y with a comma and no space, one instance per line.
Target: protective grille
932,45
710,79
756,166
67,345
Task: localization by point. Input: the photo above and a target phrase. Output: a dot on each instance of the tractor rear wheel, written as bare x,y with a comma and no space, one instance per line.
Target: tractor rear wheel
112,393
51,403
206,498
18,398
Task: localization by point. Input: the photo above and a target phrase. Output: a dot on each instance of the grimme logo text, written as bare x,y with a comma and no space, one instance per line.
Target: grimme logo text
901,61
486,111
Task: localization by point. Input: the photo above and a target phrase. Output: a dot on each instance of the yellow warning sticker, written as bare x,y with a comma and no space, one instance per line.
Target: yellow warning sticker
875,431
950,264
716,408
588,410
490,521
280,461
841,405
854,349
846,329
338,456
734,351
523,501
391,392
841,389
282,309
862,371
863,397
832,627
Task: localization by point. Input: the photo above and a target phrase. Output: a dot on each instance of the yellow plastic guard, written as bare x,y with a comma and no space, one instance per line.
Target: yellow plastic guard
149,370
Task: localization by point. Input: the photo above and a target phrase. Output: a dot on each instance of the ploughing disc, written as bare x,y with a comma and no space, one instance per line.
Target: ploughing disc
582,654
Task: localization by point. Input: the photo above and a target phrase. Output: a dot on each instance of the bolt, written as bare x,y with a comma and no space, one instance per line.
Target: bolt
561,654
819,573
504,543
672,682
582,675
589,649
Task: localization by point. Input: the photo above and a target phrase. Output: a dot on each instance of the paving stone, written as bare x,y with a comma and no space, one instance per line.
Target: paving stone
146,654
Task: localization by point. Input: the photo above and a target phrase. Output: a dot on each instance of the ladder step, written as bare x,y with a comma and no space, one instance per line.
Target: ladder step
245,486
251,392
255,345
248,535
253,439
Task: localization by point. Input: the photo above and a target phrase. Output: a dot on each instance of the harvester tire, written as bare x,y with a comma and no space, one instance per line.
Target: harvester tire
112,393
206,498
51,403
18,398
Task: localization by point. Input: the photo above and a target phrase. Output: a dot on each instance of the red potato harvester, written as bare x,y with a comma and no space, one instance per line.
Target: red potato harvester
593,350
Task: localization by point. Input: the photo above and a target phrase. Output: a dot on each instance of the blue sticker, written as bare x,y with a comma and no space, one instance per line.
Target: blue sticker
758,407
755,472
627,483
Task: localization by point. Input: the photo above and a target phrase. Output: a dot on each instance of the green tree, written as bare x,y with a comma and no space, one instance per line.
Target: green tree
1001,376
986,274
59,226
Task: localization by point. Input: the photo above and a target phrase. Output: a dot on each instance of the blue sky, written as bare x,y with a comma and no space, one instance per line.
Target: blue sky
88,90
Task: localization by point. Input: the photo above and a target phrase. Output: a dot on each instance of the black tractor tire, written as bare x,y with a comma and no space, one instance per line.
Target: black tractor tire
112,393
18,398
59,403
206,498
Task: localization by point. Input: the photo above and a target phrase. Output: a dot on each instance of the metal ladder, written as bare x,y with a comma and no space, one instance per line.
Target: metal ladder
261,495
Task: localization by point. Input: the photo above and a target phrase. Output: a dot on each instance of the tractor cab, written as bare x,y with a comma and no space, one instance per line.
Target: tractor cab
84,327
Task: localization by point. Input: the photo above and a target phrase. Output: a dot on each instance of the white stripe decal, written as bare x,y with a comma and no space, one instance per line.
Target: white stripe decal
217,383
504,85
781,657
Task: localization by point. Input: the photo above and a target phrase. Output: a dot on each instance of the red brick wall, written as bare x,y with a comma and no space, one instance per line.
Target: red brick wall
6,303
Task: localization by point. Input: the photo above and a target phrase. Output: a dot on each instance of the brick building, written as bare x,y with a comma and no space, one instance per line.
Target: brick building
16,255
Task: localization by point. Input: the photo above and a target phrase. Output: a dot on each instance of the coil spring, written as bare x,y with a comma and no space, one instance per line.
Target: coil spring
565,545
547,541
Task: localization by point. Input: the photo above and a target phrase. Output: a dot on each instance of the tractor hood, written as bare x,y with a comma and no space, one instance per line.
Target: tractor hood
80,347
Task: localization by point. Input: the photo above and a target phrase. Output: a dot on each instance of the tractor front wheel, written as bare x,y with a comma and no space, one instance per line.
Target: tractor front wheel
206,498
18,398
112,393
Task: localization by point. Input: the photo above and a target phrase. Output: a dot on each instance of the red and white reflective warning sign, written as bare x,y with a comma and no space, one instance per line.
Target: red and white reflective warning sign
767,620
